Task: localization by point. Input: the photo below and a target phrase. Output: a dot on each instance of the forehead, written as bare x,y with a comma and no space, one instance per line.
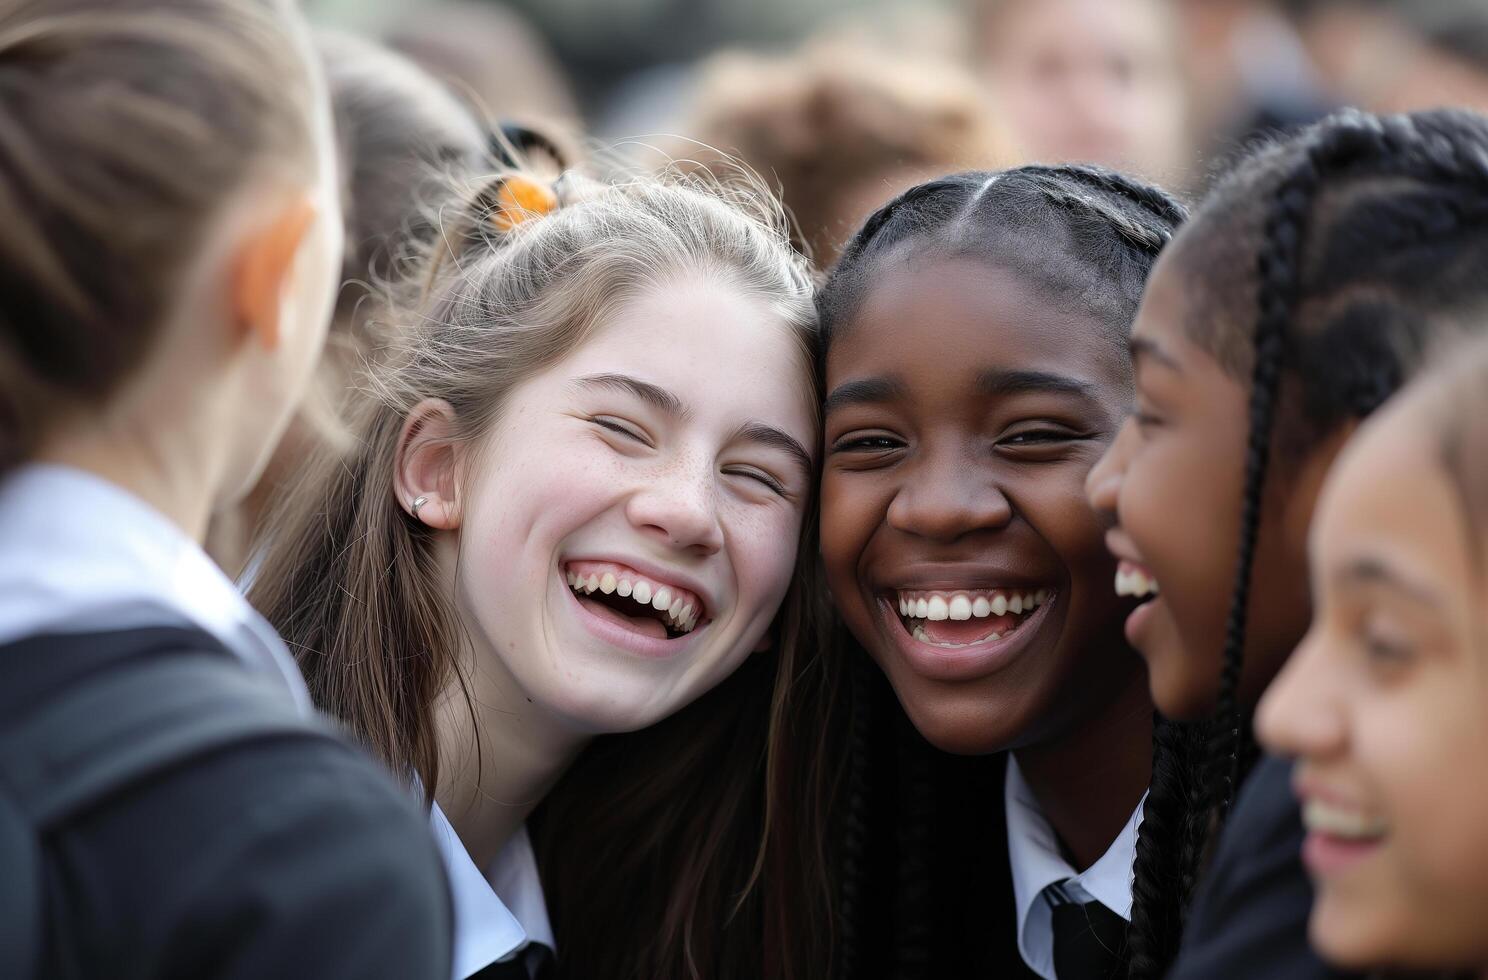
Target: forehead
938,322
1389,497
1095,24
718,348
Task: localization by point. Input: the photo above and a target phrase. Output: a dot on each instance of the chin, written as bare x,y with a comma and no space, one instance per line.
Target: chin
957,722
1344,940
1177,690
593,713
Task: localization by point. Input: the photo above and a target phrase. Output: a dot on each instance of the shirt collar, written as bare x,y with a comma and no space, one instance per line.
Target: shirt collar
1033,852
82,554
497,914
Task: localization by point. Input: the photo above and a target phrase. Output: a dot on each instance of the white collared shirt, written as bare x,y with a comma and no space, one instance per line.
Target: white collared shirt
1033,851
79,554
497,914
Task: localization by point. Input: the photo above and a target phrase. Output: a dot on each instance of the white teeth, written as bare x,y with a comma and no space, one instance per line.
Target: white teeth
1135,583
962,606
1335,822
919,634
680,613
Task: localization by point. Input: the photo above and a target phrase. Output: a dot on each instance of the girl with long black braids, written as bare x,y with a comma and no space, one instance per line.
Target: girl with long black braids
1297,300
1000,729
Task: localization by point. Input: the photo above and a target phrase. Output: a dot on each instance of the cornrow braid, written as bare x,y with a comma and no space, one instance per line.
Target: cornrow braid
1095,233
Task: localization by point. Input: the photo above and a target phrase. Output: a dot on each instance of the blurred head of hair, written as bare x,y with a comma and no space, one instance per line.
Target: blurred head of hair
129,129
841,129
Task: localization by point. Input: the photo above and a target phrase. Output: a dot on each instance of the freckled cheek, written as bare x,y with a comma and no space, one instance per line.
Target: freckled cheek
763,548
524,501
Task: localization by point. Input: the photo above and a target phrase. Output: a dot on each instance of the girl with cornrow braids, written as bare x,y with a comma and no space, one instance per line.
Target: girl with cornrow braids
1297,300
998,733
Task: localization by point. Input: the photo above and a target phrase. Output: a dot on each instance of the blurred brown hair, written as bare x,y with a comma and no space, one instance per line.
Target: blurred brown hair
843,127
126,126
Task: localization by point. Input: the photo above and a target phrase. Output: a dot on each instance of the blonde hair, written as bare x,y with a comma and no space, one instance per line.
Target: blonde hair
125,127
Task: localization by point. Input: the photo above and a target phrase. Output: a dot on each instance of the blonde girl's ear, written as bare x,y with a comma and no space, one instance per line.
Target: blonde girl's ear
264,270
425,472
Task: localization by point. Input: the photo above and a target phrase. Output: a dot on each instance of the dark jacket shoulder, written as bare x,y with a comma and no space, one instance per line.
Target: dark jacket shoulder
1249,918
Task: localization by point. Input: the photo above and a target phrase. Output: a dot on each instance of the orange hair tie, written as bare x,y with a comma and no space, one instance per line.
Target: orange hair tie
520,199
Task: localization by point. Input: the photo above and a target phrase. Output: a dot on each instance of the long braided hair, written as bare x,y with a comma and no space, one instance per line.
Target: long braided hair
1088,237
1372,240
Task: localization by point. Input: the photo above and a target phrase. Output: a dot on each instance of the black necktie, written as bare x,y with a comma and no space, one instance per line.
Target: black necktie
1089,940
533,963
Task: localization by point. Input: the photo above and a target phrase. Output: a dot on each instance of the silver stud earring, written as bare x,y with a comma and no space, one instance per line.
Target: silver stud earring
417,503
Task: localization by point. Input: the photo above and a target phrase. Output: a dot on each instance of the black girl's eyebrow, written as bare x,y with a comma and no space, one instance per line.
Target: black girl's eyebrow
1369,570
863,391
767,435
1004,382
1144,347
654,395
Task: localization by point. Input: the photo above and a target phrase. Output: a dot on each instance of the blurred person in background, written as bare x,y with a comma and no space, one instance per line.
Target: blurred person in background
1398,55
400,135
841,129
1247,72
1088,81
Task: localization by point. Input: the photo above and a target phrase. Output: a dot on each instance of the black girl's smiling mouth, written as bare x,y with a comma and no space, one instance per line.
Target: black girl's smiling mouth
962,634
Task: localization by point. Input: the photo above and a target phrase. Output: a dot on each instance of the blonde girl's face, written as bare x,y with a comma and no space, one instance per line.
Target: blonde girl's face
1385,705
633,529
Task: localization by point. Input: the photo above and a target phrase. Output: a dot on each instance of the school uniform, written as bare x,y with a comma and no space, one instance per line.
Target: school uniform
1249,917
293,856
502,927
1076,920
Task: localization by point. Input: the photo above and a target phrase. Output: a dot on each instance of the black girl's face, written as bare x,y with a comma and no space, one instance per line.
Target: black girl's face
963,414
1173,482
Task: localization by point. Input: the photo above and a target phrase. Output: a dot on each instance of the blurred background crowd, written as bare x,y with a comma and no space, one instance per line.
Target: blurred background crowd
842,103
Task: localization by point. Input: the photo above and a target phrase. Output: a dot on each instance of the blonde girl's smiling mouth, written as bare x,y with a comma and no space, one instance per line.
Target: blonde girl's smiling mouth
647,611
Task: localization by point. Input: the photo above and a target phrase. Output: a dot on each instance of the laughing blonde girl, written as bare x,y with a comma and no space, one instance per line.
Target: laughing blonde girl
577,509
